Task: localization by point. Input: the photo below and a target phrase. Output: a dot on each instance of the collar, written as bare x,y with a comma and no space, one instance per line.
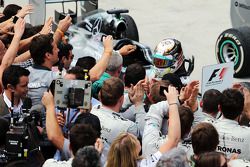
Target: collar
8,103
107,75
39,67
228,121
208,115
104,109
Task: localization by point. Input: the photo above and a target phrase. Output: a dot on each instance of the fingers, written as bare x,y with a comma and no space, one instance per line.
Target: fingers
48,99
47,26
25,10
108,43
60,119
99,145
19,27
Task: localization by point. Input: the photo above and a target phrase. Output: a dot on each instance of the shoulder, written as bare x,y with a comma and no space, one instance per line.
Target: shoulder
55,163
239,163
151,160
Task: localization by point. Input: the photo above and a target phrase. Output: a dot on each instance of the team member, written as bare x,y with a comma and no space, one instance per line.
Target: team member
233,137
111,96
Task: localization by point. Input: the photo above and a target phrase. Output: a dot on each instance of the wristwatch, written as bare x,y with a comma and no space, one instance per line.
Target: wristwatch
14,19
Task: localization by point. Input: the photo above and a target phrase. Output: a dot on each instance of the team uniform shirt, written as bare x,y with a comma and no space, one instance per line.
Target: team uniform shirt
152,136
136,114
151,161
55,163
239,163
40,79
113,124
200,116
233,138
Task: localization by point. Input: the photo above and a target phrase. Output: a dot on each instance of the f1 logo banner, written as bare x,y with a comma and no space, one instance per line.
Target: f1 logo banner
218,76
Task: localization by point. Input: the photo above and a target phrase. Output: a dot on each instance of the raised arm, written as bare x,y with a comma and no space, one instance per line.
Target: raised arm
246,93
53,129
62,27
174,128
25,43
21,14
11,53
96,72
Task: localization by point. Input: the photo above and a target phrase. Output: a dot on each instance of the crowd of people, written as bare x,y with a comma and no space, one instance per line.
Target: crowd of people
133,121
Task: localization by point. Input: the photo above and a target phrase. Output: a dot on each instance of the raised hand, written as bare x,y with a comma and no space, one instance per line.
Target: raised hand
25,11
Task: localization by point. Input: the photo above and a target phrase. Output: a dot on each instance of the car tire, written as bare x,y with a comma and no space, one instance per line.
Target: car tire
131,31
234,45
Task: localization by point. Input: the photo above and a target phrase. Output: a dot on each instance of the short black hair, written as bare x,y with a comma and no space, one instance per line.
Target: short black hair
81,135
211,100
39,46
9,11
12,74
90,119
232,103
201,134
133,74
174,80
64,50
87,62
78,72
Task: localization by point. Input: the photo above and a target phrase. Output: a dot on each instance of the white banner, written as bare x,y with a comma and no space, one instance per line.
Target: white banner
218,76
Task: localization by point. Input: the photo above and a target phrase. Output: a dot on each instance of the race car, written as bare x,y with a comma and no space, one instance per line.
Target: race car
234,44
92,23
167,57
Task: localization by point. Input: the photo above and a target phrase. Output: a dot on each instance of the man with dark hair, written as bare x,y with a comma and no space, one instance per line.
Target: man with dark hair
15,79
134,73
44,52
80,134
87,156
111,96
153,137
65,55
233,137
86,62
205,138
209,107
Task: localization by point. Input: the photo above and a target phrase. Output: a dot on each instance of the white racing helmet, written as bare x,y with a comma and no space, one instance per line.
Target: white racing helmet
168,58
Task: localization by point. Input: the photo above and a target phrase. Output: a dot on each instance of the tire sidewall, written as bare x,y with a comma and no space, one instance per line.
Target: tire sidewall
229,37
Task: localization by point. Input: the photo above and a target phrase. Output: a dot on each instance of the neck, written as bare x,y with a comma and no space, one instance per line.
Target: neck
115,108
8,94
47,64
213,114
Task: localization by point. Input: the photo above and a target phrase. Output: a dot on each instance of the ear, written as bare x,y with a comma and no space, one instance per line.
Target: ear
10,87
219,108
201,103
63,59
47,55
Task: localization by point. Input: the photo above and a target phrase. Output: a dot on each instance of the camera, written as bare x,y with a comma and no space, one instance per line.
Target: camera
72,93
21,139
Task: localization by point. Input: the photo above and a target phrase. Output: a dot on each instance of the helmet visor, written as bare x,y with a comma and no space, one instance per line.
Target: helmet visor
162,61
